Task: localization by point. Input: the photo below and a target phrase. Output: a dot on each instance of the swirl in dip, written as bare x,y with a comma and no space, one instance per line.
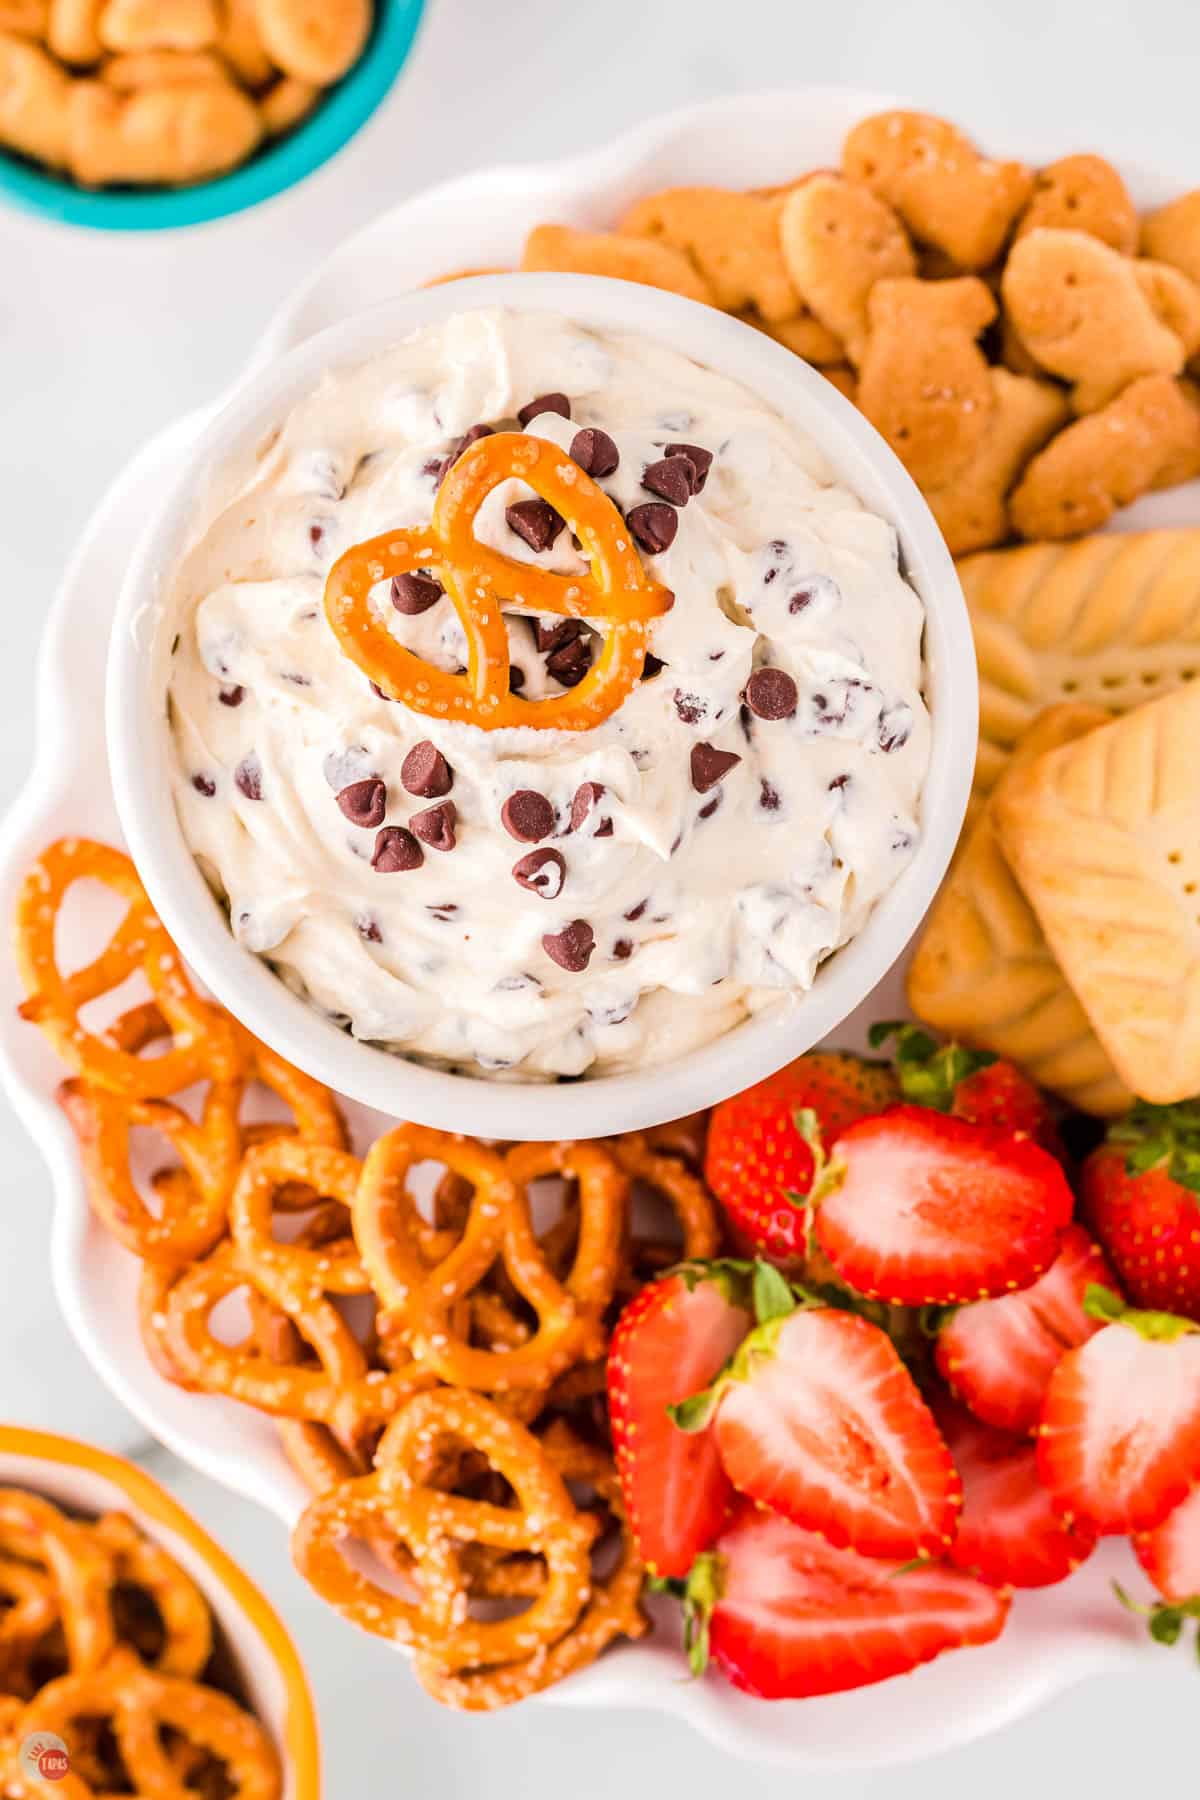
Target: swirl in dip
717,837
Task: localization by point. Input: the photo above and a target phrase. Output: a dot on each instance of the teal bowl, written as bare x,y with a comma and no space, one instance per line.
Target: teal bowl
343,112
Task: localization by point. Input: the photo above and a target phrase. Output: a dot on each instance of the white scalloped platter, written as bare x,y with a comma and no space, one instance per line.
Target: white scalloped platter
1056,1637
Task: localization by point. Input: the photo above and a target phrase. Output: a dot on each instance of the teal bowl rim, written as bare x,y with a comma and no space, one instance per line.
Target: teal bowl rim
337,119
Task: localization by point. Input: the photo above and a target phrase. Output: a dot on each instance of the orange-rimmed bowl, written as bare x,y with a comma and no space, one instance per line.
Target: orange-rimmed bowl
88,1481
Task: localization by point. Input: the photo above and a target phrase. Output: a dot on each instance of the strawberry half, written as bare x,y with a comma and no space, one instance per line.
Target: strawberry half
972,1084
1119,1442
1171,1554
998,1355
924,1208
1008,1532
672,1338
818,1418
1140,1193
760,1161
786,1615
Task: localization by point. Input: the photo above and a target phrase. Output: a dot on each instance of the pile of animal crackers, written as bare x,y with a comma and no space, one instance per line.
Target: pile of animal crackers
108,1645
1020,337
456,1424
165,92
1029,346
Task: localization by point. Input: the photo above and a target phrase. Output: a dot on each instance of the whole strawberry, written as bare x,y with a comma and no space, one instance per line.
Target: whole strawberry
971,1084
1140,1193
764,1145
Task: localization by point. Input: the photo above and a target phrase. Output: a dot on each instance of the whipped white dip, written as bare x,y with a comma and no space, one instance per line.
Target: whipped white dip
707,897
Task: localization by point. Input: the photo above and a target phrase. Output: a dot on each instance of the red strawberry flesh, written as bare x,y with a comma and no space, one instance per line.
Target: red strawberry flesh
934,1210
797,1617
998,1355
828,1428
668,1343
1170,1555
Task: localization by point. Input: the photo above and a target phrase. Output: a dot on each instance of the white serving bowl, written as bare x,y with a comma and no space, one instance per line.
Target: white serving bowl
87,1482
136,713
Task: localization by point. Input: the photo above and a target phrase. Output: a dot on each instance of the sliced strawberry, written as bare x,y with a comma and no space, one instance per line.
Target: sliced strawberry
1170,1555
1008,1532
998,1355
790,1616
933,1210
972,1084
818,1418
1119,1442
760,1159
672,1338
1140,1193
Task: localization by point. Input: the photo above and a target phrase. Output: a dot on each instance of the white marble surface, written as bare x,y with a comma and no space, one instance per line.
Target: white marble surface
103,340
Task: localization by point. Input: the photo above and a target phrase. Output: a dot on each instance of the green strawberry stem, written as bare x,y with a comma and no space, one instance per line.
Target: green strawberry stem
1166,1618
1156,1327
705,1584
928,1073
1161,1137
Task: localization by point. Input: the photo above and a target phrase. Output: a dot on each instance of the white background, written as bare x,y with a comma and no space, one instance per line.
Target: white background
103,340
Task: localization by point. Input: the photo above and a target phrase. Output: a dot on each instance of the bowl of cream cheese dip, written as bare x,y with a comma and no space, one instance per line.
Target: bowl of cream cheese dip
543,706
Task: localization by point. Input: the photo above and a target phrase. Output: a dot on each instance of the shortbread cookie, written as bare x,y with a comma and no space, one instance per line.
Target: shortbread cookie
158,135
285,103
1148,437
945,192
314,40
129,25
732,238
161,68
838,240
972,509
560,248
1110,621
1172,234
844,380
1104,837
1083,193
1081,312
803,335
924,383
983,972
33,101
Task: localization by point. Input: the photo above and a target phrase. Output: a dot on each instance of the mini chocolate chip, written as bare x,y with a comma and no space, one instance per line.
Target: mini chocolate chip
379,693
710,807
444,911
771,694
595,453
895,726
316,534
545,403
425,772
623,949
204,784
635,912
435,826
535,522
653,665
542,872
768,796
553,637
588,796
669,479
248,778
528,816
232,696
364,802
800,599
710,765
413,593
396,850
690,707
700,459
839,781
516,678
571,663
571,948
368,930
653,526
465,441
